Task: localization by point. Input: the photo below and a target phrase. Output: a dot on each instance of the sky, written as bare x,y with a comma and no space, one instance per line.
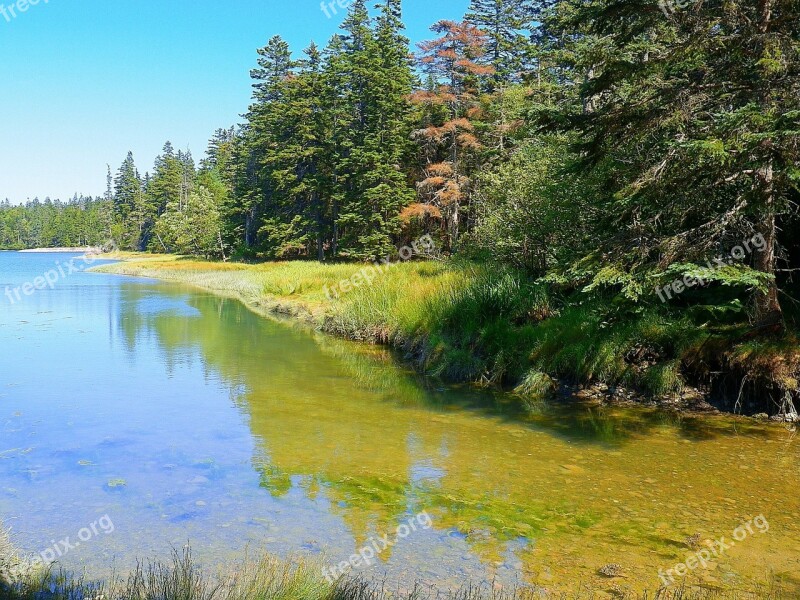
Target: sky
84,81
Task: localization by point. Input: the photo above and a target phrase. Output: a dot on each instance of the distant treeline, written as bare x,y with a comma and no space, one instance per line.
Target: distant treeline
50,224
600,146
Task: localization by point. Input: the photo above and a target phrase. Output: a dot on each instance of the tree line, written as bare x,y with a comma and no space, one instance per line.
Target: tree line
595,144
78,223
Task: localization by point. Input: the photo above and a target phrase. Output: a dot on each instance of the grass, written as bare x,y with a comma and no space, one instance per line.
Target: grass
463,321
274,579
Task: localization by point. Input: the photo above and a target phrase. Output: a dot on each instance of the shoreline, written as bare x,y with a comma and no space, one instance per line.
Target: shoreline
81,249
296,290
210,306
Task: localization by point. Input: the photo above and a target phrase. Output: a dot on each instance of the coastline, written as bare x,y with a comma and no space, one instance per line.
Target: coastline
57,250
436,316
81,249
250,281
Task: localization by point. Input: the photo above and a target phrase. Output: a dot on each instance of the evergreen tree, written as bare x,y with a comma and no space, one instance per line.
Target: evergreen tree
109,197
81,222
694,119
252,184
218,175
127,186
372,79
129,206
508,48
166,184
297,221
452,99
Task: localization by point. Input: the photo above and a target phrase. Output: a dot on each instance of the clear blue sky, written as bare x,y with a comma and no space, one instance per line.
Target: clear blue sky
84,81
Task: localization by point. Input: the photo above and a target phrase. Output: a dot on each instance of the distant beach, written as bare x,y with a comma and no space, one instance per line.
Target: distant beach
63,250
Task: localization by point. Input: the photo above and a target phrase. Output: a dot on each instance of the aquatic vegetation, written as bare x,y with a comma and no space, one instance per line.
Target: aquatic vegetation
8,555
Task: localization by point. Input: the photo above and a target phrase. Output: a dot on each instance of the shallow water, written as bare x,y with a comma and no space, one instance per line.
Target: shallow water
184,417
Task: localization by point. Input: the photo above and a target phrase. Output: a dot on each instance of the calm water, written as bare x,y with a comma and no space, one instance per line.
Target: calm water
186,418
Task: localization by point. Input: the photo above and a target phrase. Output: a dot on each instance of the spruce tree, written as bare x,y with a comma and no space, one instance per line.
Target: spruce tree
252,185
127,186
505,24
165,185
297,223
373,80
694,117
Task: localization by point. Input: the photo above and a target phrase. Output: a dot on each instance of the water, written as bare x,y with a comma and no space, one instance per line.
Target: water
185,418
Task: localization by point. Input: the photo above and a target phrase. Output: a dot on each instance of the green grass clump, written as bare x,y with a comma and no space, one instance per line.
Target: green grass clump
536,388
181,579
591,341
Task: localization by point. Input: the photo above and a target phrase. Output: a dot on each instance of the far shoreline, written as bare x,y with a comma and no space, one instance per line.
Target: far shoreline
60,250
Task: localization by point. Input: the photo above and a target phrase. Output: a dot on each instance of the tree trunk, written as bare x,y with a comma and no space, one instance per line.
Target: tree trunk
335,245
454,228
320,238
249,220
221,245
768,307
765,11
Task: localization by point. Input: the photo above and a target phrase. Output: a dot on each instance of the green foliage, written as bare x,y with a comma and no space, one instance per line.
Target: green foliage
192,225
691,122
318,170
505,21
80,222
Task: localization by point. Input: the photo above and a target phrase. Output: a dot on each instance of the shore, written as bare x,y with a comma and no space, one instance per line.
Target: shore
467,322
272,578
80,249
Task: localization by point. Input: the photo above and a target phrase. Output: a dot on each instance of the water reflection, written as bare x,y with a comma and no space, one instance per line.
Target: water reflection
547,496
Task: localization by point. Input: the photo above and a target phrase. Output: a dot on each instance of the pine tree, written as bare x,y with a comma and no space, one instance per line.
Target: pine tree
371,75
165,186
508,48
449,142
252,185
128,186
296,222
694,119
109,196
